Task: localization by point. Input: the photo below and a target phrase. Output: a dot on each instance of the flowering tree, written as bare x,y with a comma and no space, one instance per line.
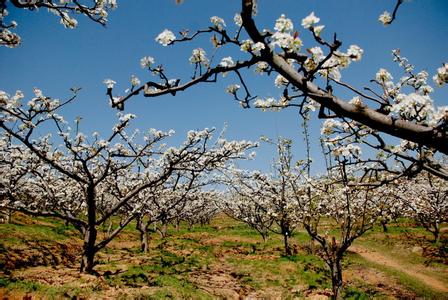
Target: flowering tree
13,168
336,211
95,10
180,198
390,206
200,208
91,176
248,210
425,198
266,201
403,109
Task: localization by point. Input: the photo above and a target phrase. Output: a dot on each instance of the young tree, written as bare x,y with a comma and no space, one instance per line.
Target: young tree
250,210
168,203
425,197
336,211
84,173
201,208
269,197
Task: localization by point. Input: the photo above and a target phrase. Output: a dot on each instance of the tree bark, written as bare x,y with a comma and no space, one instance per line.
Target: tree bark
89,251
162,230
177,225
384,224
436,233
429,136
286,244
90,233
336,278
144,235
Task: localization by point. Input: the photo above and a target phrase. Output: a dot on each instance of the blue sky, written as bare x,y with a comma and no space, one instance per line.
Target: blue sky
55,59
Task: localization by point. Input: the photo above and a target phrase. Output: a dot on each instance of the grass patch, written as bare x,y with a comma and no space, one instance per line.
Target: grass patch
43,291
226,249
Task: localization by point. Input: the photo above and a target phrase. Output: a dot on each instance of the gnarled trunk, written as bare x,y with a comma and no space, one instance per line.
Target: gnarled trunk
144,235
336,277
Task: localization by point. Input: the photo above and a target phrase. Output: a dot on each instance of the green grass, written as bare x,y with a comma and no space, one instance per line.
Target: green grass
224,247
48,292
15,233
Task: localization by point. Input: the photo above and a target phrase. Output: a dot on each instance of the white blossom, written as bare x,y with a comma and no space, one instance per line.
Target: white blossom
135,81
355,52
318,29
238,20
280,81
126,117
146,62
261,67
231,89
109,83
310,20
227,62
441,77
166,37
68,21
385,18
283,24
218,22
198,56
356,101
257,47
286,41
383,75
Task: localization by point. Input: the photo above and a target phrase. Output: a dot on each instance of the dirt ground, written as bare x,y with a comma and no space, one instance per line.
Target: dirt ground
411,270
229,266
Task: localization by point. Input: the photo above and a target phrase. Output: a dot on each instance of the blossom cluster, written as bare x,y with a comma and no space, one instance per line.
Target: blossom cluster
66,10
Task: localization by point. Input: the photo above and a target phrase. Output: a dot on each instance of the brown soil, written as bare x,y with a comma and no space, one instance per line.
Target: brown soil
381,281
411,270
40,254
218,281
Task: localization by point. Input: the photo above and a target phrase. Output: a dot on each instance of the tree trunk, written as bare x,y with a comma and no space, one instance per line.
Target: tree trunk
436,233
144,235
264,236
90,233
286,243
163,229
336,278
284,226
384,224
89,251
9,216
144,240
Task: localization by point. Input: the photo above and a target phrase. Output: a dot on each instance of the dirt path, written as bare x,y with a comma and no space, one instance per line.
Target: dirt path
413,271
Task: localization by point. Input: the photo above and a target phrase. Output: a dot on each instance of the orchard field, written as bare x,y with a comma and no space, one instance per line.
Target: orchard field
224,259
125,173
